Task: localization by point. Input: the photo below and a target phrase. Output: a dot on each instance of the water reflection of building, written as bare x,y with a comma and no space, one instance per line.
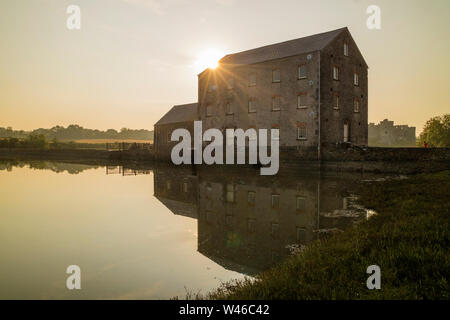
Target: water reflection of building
247,222
125,171
177,189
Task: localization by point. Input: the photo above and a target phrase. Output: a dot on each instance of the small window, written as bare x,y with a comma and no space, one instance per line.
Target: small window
208,110
301,131
251,225
229,108
356,79
356,105
169,137
251,105
251,196
168,185
230,192
276,103
300,204
302,71
252,80
276,75
336,101
185,187
275,201
346,49
301,100
335,73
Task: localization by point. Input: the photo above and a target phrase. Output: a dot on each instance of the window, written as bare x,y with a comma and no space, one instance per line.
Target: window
275,201
302,71
229,108
276,75
300,204
276,103
335,73
252,80
346,49
336,101
185,187
356,105
251,198
208,110
356,79
251,105
301,131
169,136
168,185
251,225
230,84
230,192
301,100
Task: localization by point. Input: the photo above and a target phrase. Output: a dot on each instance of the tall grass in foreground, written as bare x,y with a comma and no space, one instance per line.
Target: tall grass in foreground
408,239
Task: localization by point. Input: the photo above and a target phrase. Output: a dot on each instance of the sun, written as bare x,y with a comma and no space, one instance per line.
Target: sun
208,59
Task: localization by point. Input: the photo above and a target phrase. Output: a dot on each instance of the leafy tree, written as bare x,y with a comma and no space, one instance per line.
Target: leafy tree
436,132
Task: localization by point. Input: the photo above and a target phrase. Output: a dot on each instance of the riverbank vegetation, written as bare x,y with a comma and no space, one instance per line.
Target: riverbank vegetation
76,132
40,142
408,239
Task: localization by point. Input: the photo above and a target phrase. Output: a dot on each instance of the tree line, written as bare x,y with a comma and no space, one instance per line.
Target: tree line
76,132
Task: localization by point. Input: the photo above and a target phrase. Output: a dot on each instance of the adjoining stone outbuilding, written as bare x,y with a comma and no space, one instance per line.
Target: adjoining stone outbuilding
180,116
314,89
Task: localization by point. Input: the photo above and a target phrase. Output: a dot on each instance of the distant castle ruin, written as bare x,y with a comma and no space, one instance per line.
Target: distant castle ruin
386,134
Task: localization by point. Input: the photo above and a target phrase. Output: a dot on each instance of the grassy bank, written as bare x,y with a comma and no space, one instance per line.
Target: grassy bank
408,239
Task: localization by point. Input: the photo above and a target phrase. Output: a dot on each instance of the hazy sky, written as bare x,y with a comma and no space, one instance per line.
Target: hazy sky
133,59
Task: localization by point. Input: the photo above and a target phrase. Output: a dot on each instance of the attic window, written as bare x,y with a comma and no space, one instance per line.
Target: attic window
346,49
276,75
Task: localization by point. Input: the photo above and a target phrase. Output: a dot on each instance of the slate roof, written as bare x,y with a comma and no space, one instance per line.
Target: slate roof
283,49
180,113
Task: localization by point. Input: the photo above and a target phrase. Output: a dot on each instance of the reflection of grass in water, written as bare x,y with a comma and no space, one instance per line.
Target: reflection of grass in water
408,239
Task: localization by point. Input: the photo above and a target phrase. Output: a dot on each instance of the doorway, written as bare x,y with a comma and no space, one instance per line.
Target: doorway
346,130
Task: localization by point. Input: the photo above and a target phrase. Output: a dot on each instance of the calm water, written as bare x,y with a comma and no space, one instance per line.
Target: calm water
150,233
